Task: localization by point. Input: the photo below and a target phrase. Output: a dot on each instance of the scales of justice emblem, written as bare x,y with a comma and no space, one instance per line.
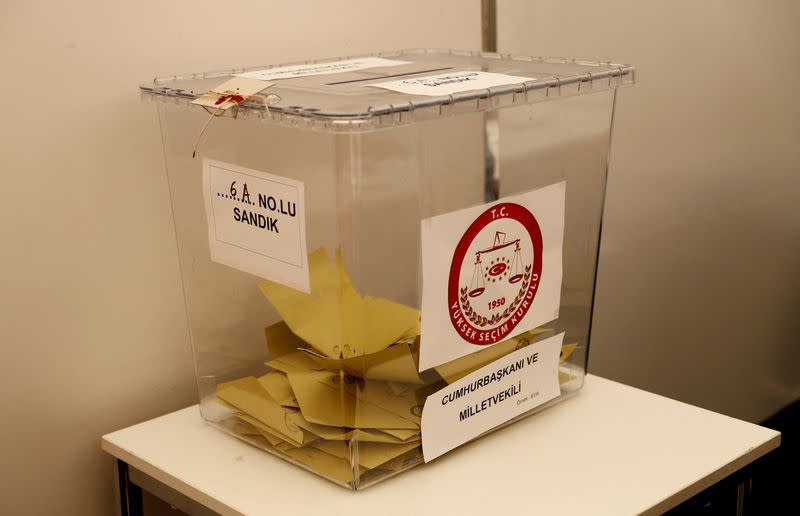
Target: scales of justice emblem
495,273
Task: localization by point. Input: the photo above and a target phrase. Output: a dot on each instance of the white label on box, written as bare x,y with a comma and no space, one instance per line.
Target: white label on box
304,70
256,223
490,396
449,83
490,272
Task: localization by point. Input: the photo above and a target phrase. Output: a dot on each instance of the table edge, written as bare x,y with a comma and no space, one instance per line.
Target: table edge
672,500
715,476
175,483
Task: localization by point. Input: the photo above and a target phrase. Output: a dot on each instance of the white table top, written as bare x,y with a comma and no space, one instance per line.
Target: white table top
612,449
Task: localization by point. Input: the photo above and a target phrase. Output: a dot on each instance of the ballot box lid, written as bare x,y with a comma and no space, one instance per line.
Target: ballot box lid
372,91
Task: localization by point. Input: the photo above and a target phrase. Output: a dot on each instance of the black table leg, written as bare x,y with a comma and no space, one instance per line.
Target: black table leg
130,495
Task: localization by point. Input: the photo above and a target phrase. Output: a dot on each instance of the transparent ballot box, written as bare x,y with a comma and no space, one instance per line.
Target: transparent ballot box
387,256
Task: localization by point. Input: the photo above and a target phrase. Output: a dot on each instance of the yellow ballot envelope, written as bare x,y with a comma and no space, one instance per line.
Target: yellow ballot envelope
338,400
345,323
331,395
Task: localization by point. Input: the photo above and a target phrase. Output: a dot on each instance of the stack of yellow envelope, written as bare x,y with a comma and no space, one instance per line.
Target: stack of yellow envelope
342,394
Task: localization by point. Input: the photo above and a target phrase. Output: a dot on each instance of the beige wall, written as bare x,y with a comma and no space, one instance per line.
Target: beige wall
698,286
92,322
698,280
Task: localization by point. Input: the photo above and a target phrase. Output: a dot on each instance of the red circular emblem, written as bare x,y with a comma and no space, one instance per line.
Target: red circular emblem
496,269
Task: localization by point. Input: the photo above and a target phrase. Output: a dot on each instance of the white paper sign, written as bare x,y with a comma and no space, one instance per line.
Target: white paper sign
490,396
256,223
490,272
449,83
304,70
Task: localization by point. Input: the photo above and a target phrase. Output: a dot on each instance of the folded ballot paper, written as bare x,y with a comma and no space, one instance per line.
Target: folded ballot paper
341,393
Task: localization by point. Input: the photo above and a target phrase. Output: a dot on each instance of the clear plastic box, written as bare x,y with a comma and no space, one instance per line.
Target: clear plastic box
329,379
